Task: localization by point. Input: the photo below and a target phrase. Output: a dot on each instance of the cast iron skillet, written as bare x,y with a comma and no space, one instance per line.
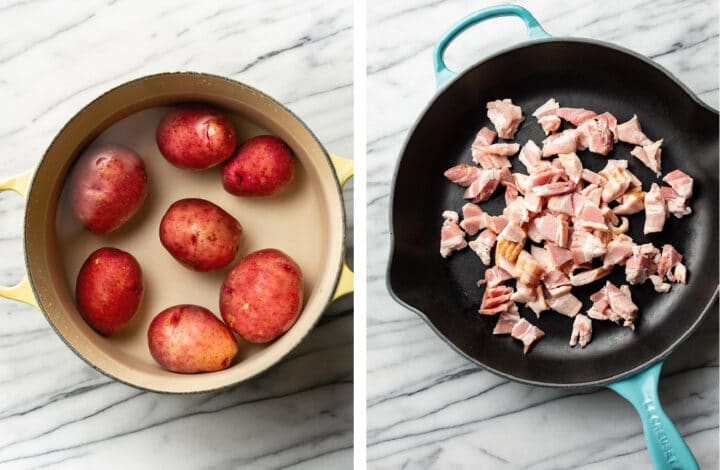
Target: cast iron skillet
578,73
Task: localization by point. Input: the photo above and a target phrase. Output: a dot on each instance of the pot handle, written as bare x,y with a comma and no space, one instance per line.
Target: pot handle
344,169
21,292
665,444
534,31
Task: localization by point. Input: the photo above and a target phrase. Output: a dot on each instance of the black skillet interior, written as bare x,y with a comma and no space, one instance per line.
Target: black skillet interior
577,73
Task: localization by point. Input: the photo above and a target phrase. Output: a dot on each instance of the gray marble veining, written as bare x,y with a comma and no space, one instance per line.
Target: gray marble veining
427,406
55,410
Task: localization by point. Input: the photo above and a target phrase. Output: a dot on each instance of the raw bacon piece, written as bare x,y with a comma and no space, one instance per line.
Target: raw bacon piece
680,182
631,202
650,155
483,138
593,178
542,256
567,304
549,123
679,274
489,161
581,331
505,116
563,142
514,233
451,237
527,270
484,185
575,116
530,155
586,246
533,202
526,332
553,229
502,149
473,218
619,249
556,278
631,132
496,275
619,180
507,321
483,244
591,217
655,210
516,211
596,135
676,204
658,284
538,305
549,108
668,260
462,174
495,300
554,189
641,263
572,166
496,223
621,303
524,293
558,255
561,204
588,277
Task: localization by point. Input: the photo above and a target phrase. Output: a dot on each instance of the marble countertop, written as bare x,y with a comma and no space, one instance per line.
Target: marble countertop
55,410
427,406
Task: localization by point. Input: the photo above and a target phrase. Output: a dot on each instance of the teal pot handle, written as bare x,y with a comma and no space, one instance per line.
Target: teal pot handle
534,30
666,446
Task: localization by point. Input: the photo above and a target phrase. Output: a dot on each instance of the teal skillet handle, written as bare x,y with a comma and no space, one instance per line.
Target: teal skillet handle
666,446
535,31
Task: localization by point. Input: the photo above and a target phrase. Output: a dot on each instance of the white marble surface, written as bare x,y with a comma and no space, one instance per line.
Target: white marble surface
55,57
427,406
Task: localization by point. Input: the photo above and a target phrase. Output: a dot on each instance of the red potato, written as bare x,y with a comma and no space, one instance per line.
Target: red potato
262,295
107,187
196,137
109,289
262,166
200,235
190,339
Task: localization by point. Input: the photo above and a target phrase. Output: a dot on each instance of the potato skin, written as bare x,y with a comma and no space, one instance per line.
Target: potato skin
200,235
107,187
190,339
109,289
262,295
196,136
262,166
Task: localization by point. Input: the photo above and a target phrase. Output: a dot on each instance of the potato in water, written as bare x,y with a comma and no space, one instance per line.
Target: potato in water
262,166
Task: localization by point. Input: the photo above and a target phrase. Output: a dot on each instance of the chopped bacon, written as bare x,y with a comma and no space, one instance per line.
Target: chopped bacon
621,303
558,255
473,218
496,223
506,321
514,233
549,108
505,116
679,274
516,211
533,202
676,204
563,142
680,182
484,185
591,217
483,138
572,166
631,132
496,275
554,189
452,237
527,270
495,300
553,229
542,256
588,277
619,249
538,305
489,161
462,174
668,260
641,263
650,155
566,304
596,134
655,210
502,149
526,332
575,116
530,155
585,246
556,278
561,204
593,178
549,123
619,180
658,284
483,244
581,331
524,293
631,202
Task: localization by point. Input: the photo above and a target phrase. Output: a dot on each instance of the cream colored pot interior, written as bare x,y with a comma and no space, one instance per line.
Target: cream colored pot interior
305,221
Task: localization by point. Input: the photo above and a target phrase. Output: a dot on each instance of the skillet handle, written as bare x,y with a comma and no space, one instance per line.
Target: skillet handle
21,292
344,169
666,446
534,30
